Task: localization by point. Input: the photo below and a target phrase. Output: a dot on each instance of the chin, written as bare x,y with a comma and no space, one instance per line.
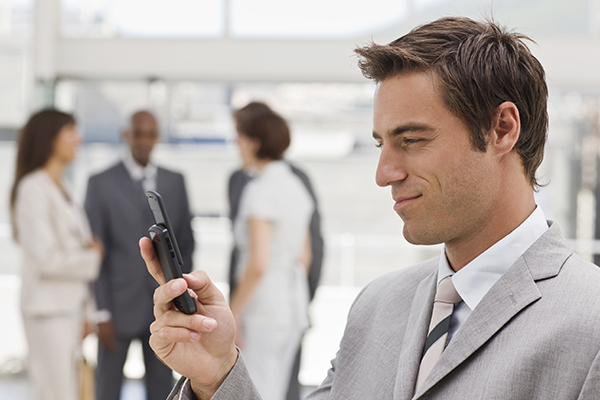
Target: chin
421,238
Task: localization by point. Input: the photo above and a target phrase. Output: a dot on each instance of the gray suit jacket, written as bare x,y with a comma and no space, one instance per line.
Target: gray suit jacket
119,216
535,335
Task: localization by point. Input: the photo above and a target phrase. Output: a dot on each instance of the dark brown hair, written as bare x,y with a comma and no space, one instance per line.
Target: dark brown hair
480,65
270,130
251,109
36,143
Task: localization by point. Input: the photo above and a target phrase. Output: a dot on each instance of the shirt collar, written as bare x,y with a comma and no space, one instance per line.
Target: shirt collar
274,165
476,278
136,171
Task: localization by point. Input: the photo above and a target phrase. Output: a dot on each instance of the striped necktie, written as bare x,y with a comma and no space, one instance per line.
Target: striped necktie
443,305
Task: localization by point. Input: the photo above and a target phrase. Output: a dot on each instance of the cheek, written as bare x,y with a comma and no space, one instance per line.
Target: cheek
468,188
62,145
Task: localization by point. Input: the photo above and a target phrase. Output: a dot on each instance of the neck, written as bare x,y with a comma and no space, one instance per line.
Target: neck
55,169
259,164
141,163
505,216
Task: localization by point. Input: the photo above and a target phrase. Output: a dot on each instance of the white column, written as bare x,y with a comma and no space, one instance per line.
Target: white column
45,36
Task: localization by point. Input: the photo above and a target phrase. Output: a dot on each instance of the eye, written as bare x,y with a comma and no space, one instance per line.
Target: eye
408,141
379,145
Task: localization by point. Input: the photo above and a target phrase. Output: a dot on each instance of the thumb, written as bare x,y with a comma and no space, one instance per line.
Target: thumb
205,290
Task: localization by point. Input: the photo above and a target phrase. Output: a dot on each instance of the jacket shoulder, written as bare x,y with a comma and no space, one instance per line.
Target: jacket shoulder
580,278
108,173
169,174
395,286
33,184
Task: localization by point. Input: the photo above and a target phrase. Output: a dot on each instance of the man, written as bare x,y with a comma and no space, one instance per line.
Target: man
507,311
237,182
119,215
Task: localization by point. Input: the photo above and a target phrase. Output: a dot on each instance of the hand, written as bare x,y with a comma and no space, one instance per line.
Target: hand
239,337
106,335
200,347
88,327
98,246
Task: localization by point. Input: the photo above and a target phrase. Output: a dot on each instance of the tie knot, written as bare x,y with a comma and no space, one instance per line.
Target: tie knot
446,293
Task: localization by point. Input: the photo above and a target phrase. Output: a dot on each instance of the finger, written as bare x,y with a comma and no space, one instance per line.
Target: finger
175,319
168,335
164,295
206,291
149,256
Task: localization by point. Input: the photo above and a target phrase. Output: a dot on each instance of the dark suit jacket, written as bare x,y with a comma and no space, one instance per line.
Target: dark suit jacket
237,181
119,216
535,335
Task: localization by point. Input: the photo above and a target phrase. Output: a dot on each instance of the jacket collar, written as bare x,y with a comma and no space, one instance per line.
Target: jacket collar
514,291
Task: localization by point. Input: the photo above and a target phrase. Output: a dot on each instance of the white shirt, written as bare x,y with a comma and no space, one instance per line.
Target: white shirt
476,278
276,195
147,174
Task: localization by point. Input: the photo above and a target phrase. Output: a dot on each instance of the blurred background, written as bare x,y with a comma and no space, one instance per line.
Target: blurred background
193,61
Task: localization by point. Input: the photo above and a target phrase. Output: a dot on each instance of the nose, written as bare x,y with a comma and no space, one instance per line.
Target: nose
390,167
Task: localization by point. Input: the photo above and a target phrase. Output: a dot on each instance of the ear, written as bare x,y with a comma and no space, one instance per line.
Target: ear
255,145
506,128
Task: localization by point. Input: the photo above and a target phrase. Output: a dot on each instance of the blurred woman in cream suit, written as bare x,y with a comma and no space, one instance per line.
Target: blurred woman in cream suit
60,256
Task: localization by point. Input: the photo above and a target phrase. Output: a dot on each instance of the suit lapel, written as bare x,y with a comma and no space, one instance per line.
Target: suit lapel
66,211
513,292
161,182
414,338
127,185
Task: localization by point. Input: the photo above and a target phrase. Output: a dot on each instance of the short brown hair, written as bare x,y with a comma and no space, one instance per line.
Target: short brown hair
480,65
250,110
271,131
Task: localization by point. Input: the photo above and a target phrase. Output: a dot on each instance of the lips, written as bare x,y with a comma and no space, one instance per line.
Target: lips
404,201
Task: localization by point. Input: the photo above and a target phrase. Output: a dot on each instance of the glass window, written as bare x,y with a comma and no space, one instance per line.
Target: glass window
319,19
312,18
142,18
535,18
344,18
15,18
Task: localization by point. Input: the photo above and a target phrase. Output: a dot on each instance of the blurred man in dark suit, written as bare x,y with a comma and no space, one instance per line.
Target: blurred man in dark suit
119,215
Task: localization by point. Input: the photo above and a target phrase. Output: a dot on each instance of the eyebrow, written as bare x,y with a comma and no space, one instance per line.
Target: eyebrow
402,129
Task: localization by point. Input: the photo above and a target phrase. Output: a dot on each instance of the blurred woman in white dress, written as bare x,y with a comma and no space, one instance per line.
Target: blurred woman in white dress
60,256
272,232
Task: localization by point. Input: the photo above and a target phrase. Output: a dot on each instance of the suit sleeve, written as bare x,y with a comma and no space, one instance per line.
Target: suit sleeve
95,211
238,385
591,386
183,232
323,392
38,237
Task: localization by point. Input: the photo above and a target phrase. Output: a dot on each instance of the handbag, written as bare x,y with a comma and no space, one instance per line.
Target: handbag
86,380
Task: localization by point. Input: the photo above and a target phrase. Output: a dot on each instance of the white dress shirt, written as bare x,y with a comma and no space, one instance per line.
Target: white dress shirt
476,278
146,175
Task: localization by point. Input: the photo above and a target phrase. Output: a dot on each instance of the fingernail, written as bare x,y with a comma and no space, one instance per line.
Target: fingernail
209,323
194,336
176,286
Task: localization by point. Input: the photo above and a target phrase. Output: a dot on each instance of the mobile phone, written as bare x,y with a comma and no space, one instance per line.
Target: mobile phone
167,250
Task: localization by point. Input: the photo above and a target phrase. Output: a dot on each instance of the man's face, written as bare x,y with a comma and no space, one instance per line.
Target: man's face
141,137
443,189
